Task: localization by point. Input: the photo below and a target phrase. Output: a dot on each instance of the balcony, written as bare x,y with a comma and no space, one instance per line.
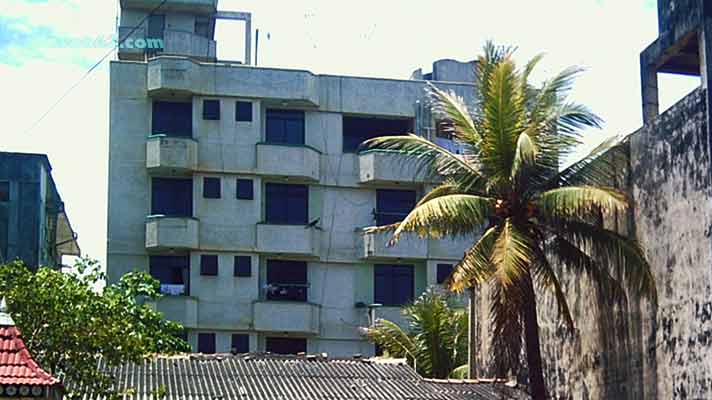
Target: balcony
130,34
165,233
296,240
374,246
171,155
300,162
379,167
182,309
183,43
286,316
170,74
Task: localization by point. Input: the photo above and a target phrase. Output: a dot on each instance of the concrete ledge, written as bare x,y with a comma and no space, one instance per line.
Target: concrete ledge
193,6
286,316
303,161
374,246
165,233
182,309
288,239
171,155
387,167
167,74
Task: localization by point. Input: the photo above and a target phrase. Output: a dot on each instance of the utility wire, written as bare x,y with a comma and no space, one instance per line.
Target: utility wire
93,67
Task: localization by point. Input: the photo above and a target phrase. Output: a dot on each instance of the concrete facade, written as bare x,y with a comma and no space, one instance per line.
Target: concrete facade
34,227
342,192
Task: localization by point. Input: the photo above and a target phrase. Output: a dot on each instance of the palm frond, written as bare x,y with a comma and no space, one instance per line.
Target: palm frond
581,201
547,279
525,154
599,167
572,117
449,215
427,156
610,248
506,305
392,338
512,254
476,265
452,108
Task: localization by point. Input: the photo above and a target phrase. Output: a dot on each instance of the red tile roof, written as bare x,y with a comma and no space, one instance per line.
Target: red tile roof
16,365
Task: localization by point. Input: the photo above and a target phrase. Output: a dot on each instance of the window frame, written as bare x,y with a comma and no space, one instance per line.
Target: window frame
281,207
210,113
211,337
441,274
237,346
280,341
209,190
391,295
291,276
275,117
241,113
169,125
159,264
170,202
242,267
241,191
351,124
388,209
207,267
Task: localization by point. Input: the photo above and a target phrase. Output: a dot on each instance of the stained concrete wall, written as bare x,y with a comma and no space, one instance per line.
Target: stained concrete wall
632,350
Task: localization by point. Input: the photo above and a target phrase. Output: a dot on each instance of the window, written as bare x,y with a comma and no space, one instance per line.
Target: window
243,266
172,197
240,343
173,272
393,205
243,111
393,284
285,127
443,272
443,129
359,129
286,280
206,343
4,191
245,189
211,188
209,265
156,26
211,109
172,119
286,204
281,345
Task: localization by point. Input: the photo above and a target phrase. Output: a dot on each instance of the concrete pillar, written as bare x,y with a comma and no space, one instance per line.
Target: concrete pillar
248,40
649,88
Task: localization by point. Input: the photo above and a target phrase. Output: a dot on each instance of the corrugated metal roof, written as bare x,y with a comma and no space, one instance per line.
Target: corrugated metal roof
273,377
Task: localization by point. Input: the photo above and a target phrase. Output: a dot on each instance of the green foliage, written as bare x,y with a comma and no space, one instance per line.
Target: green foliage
536,217
436,341
68,325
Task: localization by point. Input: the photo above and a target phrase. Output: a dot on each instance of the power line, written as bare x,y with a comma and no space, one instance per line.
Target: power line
93,67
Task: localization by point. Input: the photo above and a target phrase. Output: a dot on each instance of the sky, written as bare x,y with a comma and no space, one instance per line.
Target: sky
47,46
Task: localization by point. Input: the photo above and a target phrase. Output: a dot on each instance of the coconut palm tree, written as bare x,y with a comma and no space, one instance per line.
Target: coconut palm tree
536,216
436,341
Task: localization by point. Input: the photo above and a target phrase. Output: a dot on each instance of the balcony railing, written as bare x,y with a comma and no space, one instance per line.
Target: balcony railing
286,291
288,239
379,167
165,233
374,246
287,316
171,154
301,162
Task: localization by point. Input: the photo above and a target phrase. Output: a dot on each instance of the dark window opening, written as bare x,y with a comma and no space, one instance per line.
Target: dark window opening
211,109
4,191
173,273
209,265
243,266
286,204
240,343
206,343
377,350
211,188
172,197
280,345
285,127
443,129
172,119
393,205
287,280
443,272
393,284
245,189
156,29
243,111
356,130
202,28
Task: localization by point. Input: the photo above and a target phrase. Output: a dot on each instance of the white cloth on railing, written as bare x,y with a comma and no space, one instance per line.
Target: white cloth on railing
172,289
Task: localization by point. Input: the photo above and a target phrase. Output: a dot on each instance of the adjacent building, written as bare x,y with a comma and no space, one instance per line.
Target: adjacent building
34,226
243,191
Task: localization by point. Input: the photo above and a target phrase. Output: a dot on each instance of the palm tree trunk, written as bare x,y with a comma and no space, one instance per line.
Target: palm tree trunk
531,338
472,337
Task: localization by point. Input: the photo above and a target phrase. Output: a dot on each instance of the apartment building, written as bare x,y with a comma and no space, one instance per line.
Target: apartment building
242,190
34,227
